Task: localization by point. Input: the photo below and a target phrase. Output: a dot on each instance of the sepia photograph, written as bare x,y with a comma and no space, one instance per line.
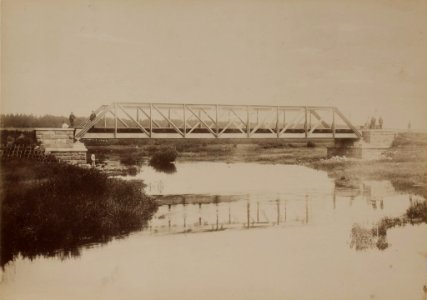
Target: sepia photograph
215,149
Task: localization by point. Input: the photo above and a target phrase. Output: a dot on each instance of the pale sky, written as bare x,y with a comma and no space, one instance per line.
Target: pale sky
363,56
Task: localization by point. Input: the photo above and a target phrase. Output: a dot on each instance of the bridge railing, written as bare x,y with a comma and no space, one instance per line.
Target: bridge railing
163,120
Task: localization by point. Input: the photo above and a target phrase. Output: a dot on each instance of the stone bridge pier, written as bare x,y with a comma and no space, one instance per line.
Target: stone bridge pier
371,146
60,143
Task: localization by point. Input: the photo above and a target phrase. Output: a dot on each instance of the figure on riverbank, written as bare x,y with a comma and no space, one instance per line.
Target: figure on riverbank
380,122
72,118
92,159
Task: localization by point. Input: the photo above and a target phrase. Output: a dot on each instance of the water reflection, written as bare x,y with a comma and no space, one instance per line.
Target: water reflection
168,168
202,213
217,223
289,196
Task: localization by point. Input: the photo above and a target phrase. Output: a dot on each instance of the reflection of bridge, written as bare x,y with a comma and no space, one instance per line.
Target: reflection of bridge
154,120
203,213
180,216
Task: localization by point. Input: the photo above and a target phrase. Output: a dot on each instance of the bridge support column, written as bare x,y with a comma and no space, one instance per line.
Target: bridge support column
59,142
372,145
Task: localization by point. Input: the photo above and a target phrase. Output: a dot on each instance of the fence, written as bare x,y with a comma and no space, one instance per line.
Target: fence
29,152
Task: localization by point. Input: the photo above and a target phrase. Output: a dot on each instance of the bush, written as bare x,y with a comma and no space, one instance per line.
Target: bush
310,144
164,156
418,210
131,160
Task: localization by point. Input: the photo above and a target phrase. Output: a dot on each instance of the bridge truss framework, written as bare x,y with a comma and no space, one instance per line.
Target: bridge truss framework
168,120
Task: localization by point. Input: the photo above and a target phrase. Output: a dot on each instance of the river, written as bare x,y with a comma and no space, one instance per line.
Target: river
242,231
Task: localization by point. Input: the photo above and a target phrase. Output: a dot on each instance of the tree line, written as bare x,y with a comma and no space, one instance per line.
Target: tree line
28,121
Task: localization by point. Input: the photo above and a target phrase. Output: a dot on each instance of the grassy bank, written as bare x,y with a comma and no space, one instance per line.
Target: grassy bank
405,164
365,238
55,209
404,167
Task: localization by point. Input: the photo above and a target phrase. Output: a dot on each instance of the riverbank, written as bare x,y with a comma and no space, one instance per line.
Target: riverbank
405,164
405,167
53,209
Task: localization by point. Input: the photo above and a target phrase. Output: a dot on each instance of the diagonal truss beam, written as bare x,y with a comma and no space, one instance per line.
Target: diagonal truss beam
318,117
132,119
169,121
90,124
201,121
258,126
293,122
148,117
118,118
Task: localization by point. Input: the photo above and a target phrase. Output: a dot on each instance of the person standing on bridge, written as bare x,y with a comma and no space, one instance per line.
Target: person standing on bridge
72,118
380,122
373,123
92,117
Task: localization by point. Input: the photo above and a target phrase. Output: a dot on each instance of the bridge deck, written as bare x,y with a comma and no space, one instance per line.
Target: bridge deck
167,133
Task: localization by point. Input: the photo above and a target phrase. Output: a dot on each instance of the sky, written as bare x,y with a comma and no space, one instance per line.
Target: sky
367,57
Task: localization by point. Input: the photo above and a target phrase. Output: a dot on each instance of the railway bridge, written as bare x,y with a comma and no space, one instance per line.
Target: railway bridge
216,121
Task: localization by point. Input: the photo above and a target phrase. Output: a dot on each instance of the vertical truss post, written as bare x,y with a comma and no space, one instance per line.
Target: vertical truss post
257,116
248,125
115,120
284,118
248,211
305,122
169,116
277,121
200,117
185,121
216,120
333,122
105,121
137,114
151,120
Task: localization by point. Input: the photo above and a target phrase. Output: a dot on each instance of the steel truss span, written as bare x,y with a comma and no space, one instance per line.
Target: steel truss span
165,120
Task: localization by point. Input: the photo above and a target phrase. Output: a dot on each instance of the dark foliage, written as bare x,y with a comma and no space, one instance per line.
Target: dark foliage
417,211
169,168
15,137
56,209
311,144
164,156
131,159
27,121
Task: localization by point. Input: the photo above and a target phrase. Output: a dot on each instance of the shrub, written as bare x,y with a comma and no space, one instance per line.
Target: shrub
418,210
164,156
131,160
310,144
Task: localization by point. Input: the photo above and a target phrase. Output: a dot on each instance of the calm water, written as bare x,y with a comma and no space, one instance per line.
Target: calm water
242,231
